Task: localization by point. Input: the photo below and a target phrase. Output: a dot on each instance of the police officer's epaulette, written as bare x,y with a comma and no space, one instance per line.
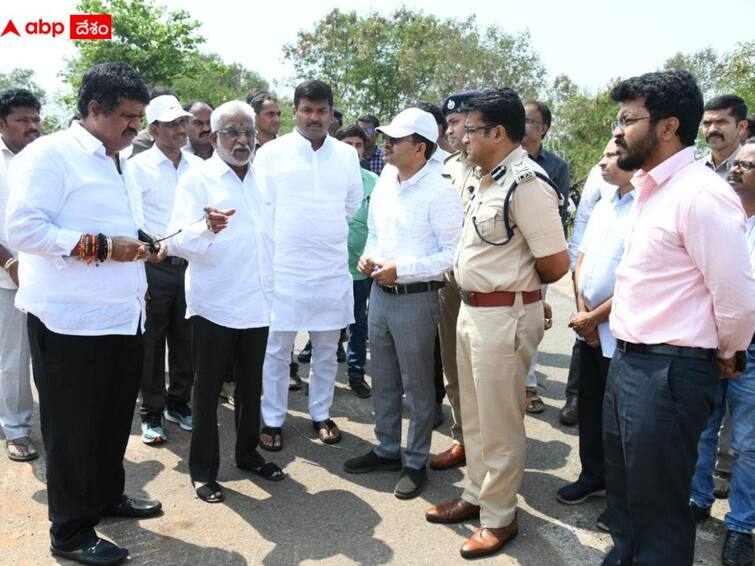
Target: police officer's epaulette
450,157
522,171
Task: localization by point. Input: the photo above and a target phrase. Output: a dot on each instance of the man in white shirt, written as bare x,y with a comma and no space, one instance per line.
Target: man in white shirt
224,209
74,214
19,126
157,172
414,223
319,190
600,251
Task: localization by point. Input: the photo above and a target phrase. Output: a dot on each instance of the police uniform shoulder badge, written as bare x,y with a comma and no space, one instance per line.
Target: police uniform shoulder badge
522,171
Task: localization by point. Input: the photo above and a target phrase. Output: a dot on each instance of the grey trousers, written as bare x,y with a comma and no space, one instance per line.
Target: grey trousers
402,331
16,401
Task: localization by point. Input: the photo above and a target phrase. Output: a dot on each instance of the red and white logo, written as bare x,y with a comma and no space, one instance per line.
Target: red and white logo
81,26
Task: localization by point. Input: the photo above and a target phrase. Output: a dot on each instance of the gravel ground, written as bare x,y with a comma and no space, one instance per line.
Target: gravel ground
321,514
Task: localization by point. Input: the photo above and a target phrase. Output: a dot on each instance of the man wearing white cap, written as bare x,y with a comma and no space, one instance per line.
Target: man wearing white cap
414,223
157,172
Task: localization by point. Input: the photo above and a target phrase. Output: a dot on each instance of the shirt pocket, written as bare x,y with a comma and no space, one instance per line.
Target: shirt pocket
488,224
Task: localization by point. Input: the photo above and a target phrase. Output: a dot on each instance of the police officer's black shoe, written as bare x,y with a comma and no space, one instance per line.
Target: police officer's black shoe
700,514
305,355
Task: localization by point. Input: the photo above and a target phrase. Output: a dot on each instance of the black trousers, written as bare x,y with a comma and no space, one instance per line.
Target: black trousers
214,348
655,409
572,380
592,385
87,392
166,319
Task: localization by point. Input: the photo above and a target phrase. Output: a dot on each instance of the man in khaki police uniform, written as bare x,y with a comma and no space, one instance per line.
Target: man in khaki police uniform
501,320
458,169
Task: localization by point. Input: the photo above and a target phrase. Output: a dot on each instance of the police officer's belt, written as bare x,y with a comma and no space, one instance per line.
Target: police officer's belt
410,288
667,350
498,298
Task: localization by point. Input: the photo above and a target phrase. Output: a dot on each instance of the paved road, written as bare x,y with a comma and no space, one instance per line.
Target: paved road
321,514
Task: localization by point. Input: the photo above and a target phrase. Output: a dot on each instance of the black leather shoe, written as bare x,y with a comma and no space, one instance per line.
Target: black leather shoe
134,508
568,415
99,552
700,514
737,549
360,388
411,483
340,354
371,462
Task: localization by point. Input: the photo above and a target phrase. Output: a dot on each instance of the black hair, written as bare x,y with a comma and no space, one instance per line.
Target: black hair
314,91
751,125
731,102
545,112
429,146
500,107
338,116
161,91
256,98
352,131
109,83
667,94
15,98
369,118
436,111
188,105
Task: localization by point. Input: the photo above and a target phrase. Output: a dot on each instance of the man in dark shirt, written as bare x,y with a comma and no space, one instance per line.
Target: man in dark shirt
537,123
373,155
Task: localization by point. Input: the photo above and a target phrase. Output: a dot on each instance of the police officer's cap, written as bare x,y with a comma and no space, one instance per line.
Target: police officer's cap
453,103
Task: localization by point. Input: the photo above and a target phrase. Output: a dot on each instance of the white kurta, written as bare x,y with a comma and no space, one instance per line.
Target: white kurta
317,193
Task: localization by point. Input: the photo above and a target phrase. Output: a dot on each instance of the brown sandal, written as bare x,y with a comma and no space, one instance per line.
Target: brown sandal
21,449
535,404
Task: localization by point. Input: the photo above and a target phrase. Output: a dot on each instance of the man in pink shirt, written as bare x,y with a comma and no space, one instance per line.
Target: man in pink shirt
683,306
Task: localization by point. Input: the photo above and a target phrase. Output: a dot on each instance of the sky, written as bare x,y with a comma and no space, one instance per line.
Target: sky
591,41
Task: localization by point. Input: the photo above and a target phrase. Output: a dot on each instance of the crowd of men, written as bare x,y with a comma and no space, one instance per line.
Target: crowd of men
436,247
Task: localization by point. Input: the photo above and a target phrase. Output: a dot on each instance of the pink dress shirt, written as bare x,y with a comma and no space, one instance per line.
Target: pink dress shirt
685,277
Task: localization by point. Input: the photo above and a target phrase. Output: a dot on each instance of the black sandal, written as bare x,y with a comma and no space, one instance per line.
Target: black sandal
273,432
268,471
327,425
209,492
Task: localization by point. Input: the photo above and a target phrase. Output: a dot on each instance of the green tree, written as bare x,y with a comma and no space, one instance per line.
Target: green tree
581,127
22,78
381,64
157,43
721,73
209,78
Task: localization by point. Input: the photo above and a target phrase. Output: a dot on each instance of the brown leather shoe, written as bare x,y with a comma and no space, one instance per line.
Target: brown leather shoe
454,456
485,541
454,511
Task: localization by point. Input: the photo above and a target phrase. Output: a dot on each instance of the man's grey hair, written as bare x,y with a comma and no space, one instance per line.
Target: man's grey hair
229,108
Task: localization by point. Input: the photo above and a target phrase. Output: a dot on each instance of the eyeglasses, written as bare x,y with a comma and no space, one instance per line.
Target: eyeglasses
744,165
234,133
469,130
394,141
531,121
622,123
368,131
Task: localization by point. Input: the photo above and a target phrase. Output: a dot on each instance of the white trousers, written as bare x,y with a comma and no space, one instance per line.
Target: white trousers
322,375
16,401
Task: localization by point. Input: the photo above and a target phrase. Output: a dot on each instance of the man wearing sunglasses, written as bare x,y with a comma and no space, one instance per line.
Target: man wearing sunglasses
373,155
157,172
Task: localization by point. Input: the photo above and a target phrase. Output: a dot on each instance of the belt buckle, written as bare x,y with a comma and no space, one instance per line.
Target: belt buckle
621,345
392,289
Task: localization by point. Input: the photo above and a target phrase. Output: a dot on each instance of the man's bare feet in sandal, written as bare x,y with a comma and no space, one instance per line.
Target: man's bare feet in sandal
271,438
21,449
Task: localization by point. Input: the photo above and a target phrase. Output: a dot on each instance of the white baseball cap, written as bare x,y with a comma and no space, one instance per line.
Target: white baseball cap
412,121
164,108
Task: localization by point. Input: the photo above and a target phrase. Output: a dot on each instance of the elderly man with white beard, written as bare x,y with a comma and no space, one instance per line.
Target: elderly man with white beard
225,211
